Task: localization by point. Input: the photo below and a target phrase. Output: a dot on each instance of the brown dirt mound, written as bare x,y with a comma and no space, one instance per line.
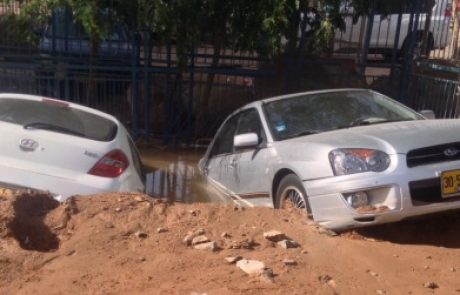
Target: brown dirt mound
133,244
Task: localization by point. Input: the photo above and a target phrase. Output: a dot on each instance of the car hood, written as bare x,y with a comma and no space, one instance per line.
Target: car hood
396,137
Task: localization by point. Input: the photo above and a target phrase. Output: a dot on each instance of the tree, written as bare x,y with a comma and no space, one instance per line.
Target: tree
238,25
95,16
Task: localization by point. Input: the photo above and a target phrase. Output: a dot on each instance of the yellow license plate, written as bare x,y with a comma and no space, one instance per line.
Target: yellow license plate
450,183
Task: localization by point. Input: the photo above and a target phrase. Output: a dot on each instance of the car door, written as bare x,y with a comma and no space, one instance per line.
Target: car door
249,169
218,164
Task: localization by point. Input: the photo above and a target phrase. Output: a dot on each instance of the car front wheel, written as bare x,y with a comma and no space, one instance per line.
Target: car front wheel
291,194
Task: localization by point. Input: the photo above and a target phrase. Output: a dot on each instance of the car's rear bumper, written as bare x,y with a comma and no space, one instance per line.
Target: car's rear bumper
60,187
390,193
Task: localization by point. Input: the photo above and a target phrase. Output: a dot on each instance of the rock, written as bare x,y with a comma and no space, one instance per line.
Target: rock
304,251
289,262
332,283
274,236
325,231
251,267
426,267
233,259
141,234
324,278
244,244
431,285
199,240
194,212
374,274
139,199
161,230
380,292
209,246
287,244
188,239
225,235
142,259
192,234
429,257
267,275
199,231
118,209
370,239
452,269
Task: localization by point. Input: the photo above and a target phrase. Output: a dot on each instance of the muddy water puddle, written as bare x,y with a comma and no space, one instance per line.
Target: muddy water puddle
174,175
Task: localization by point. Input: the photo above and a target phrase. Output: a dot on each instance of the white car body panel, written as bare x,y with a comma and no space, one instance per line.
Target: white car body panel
384,28
307,157
60,162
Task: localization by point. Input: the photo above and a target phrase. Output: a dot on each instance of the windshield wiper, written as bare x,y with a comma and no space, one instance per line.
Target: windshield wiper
51,127
372,121
302,133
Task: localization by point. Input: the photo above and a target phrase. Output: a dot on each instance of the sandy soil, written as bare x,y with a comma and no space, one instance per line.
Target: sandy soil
132,244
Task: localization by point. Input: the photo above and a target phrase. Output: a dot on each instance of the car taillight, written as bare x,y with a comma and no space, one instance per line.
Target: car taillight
448,11
113,164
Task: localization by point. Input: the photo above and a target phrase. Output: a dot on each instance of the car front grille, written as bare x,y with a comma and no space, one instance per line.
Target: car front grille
427,191
434,154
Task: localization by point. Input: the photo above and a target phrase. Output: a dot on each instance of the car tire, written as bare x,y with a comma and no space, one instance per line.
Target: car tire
291,194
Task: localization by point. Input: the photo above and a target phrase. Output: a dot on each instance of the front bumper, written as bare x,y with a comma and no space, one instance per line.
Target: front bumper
390,190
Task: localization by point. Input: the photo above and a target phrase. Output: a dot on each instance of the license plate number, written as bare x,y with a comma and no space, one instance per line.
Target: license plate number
450,183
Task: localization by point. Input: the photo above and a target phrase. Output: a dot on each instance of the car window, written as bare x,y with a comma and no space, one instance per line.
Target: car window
319,112
56,117
223,143
250,123
388,7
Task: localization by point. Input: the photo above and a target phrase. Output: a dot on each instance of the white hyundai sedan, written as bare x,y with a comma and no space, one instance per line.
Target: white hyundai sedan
350,157
64,148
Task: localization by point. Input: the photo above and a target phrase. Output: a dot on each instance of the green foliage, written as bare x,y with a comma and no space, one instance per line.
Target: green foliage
91,14
254,26
14,28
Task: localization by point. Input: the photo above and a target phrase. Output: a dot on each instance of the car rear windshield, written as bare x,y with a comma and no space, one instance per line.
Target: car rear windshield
57,117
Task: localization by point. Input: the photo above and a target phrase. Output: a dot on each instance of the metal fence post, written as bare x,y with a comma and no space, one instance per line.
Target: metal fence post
394,55
191,96
367,40
408,55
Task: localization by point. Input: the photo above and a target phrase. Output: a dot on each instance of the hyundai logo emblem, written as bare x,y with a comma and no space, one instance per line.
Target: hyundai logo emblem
28,144
451,152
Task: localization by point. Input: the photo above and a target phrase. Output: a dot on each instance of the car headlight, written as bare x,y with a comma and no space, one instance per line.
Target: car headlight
350,161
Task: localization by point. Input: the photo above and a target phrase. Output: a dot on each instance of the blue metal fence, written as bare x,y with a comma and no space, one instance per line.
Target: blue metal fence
143,87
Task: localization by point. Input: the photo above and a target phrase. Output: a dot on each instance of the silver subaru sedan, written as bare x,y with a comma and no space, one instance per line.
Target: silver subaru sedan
350,157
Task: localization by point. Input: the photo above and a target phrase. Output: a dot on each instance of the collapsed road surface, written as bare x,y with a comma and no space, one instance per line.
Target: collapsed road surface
133,244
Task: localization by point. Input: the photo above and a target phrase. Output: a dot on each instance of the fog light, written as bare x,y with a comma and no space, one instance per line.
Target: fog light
357,199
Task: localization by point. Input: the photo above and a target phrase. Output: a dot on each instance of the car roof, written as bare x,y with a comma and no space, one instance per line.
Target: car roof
70,104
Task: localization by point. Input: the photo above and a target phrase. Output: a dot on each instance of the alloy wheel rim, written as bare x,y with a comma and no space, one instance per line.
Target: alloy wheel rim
292,198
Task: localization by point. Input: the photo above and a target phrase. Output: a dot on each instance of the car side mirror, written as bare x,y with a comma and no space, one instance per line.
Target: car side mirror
246,140
429,114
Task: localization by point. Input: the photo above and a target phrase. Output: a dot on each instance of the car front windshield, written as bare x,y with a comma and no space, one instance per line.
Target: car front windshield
320,112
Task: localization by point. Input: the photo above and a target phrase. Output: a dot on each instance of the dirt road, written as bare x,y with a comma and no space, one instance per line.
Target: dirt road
132,244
